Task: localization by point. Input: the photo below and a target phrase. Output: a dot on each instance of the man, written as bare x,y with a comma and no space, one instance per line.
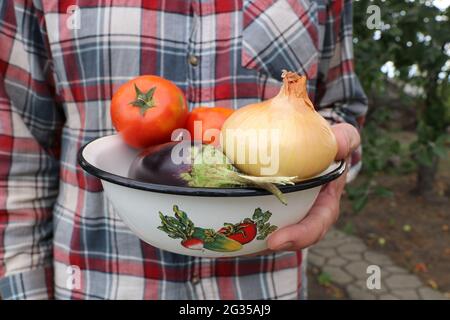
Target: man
60,64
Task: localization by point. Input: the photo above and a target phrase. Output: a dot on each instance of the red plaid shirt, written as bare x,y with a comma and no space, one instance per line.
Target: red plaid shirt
59,69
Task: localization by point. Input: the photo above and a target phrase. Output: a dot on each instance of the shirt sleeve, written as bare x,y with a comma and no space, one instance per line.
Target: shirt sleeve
30,129
340,97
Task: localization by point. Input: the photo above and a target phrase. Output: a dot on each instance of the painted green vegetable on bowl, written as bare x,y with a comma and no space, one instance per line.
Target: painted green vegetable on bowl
231,237
181,227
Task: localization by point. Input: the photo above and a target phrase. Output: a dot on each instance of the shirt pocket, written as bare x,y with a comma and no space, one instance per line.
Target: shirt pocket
279,35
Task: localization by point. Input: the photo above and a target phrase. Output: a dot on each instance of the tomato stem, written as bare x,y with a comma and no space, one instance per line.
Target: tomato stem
144,100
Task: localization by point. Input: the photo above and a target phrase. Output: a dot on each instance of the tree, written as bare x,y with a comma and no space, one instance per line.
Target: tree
415,37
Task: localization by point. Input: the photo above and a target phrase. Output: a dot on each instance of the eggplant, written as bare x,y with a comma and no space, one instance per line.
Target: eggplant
197,165
186,164
155,165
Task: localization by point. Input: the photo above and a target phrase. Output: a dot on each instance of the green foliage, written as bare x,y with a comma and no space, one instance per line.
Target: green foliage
391,222
415,39
324,279
348,228
413,34
379,150
359,194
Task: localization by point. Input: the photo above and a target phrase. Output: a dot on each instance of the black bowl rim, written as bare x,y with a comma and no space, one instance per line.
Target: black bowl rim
203,192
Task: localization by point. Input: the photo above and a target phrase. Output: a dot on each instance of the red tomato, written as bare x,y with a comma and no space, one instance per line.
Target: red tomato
209,118
243,232
146,109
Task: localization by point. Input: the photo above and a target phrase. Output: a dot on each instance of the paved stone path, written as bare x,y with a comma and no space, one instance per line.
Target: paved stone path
346,258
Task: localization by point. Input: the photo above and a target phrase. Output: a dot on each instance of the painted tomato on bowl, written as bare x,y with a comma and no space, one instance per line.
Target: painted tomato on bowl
242,232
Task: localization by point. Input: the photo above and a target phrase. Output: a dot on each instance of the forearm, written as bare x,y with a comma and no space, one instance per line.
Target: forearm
28,189
30,124
340,97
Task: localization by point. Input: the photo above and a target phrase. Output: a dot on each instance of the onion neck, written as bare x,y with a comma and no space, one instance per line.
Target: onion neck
294,87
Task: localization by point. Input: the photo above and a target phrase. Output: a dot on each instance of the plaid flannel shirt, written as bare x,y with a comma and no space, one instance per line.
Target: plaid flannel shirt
59,68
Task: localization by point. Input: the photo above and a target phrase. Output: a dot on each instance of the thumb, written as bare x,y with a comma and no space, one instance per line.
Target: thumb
347,138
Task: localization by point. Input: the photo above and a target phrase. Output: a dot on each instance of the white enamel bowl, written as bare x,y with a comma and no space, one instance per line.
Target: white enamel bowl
139,203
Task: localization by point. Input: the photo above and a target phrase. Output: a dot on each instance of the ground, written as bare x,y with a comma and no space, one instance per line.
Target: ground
412,231
323,289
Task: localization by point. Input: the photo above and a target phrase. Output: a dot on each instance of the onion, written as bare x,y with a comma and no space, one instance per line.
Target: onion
282,136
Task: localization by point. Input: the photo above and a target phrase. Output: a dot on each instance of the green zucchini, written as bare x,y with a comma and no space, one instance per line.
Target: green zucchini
215,241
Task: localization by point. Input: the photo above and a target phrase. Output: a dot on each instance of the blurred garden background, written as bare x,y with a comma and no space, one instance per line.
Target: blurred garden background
399,204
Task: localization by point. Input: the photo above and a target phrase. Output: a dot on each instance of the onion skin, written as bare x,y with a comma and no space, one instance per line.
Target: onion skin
306,144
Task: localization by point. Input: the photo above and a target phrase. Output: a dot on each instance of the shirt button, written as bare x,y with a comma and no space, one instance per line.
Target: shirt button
193,60
195,279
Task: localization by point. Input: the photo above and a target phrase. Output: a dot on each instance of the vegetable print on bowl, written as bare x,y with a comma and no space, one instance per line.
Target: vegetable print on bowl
224,211
200,199
231,237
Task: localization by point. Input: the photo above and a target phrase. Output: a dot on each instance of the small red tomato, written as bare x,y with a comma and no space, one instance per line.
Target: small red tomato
146,109
243,232
207,118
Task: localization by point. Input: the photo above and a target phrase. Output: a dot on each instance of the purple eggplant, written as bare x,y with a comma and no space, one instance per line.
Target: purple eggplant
155,165
196,165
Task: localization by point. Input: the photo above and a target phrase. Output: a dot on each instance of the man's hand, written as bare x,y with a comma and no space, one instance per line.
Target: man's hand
325,210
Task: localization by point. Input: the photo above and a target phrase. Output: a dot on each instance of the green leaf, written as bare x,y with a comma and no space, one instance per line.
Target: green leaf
355,192
443,139
348,228
144,100
324,279
424,156
359,203
137,90
383,192
439,147
149,94
391,222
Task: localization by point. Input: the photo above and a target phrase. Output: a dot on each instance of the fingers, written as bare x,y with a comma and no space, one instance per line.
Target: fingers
341,182
347,138
325,210
320,218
